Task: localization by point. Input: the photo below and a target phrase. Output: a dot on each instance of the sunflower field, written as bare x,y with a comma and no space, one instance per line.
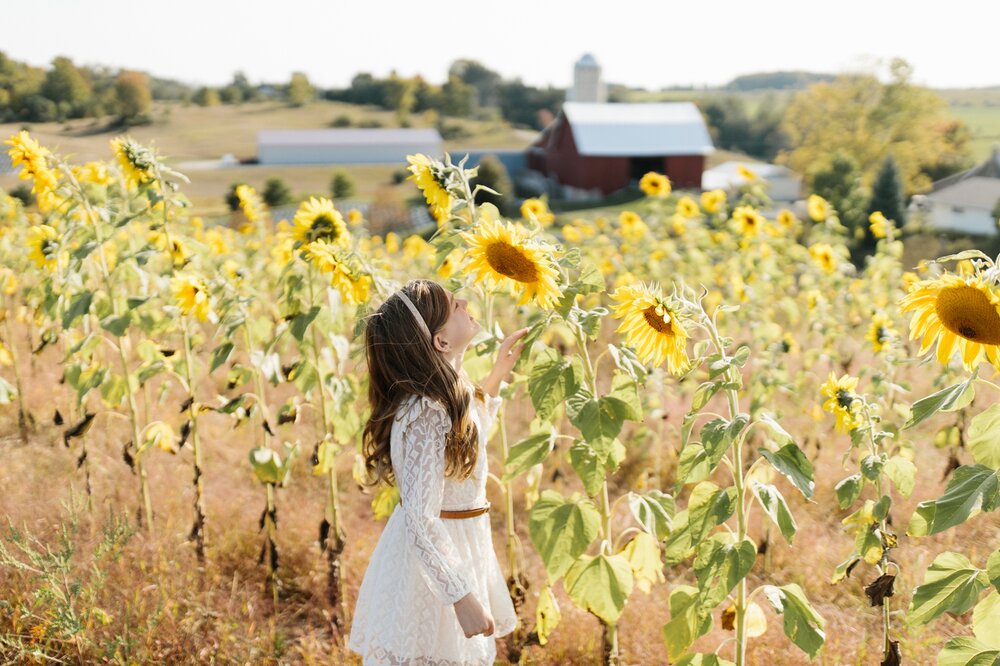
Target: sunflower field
724,442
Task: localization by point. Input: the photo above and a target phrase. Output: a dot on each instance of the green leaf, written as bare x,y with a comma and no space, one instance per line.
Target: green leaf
993,569
300,322
986,619
220,355
600,585
972,488
527,453
967,651
951,584
587,465
599,420
561,530
547,615
773,503
699,659
718,435
305,376
984,437
721,563
902,473
114,389
551,380
778,433
116,326
266,465
707,507
653,510
78,306
802,624
625,397
686,624
693,465
849,490
871,466
7,392
949,399
793,464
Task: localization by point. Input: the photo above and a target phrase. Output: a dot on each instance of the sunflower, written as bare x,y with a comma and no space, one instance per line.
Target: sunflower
879,225
818,207
633,228
713,200
137,163
43,242
748,221
880,333
429,176
786,218
842,402
317,219
159,434
687,207
824,256
504,255
746,173
190,294
537,209
27,153
651,325
349,280
655,184
251,206
959,313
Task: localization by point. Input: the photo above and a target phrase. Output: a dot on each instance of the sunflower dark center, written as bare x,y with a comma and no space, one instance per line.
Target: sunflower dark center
844,399
966,311
656,321
511,262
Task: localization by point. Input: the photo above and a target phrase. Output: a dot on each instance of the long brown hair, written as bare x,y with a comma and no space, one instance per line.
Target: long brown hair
403,362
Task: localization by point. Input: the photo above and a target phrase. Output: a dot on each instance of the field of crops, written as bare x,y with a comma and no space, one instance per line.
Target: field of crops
724,443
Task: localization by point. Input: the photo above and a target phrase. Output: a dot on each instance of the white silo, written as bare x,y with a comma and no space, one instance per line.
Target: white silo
587,84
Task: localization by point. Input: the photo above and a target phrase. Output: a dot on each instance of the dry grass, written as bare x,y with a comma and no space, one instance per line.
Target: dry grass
165,610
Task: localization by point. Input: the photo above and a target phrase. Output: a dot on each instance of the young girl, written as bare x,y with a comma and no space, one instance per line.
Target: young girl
433,593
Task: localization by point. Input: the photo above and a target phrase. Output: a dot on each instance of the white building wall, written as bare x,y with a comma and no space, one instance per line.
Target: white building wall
965,219
276,153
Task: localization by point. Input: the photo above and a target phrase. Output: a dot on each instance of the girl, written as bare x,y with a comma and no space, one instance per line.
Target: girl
433,593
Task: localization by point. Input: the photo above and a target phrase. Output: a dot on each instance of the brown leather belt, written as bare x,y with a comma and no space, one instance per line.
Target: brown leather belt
463,513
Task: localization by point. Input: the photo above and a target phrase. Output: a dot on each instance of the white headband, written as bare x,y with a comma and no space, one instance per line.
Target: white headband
416,313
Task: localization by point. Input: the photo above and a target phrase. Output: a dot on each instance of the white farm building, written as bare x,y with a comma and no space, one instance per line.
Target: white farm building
346,146
783,184
966,201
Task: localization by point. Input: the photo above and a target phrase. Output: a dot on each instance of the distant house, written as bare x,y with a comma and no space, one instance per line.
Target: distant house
346,146
783,184
966,201
608,146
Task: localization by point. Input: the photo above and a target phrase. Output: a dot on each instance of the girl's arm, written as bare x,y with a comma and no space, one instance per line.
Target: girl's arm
506,358
421,489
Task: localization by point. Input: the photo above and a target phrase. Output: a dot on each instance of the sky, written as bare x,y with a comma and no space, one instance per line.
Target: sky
641,43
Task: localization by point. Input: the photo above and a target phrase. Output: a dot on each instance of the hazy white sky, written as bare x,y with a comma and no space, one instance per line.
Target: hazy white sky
639,43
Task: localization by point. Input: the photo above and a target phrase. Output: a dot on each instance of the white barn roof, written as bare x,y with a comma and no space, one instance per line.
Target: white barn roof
974,192
348,136
617,130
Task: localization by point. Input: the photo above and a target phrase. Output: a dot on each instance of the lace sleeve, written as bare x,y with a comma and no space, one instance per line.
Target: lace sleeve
421,490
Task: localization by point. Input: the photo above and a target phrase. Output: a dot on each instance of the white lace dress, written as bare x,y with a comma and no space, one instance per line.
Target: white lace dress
422,563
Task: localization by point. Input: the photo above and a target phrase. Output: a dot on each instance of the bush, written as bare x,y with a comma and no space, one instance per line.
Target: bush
399,176
370,124
23,192
232,200
341,121
342,185
276,192
493,174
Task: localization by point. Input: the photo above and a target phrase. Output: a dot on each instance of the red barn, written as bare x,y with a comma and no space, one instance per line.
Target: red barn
608,146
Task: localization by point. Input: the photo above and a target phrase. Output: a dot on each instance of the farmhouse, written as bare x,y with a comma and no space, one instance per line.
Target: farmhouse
967,201
608,146
346,146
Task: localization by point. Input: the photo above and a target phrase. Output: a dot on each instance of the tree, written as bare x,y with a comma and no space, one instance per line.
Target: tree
276,192
458,98
206,96
232,200
862,117
66,86
839,182
493,174
341,186
132,97
300,90
485,81
399,95
887,193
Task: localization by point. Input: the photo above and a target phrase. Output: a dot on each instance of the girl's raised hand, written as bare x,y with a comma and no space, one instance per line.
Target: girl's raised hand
510,350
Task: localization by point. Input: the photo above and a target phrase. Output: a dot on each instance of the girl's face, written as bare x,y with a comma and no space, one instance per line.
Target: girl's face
460,328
